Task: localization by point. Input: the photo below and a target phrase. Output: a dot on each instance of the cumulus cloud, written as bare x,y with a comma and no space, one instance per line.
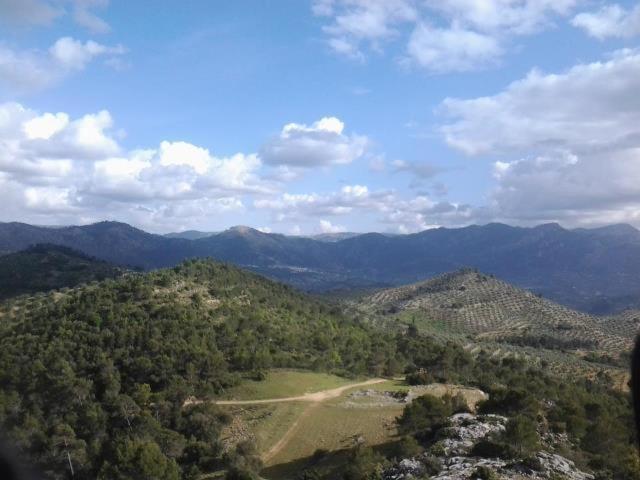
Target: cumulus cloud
319,144
440,36
569,143
28,70
45,12
611,21
327,227
54,167
58,168
382,207
590,106
596,189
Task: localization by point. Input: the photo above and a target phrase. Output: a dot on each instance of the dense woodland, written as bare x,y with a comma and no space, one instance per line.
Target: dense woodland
45,267
95,379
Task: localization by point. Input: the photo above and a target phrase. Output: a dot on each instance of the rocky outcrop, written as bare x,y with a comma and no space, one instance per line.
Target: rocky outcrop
453,454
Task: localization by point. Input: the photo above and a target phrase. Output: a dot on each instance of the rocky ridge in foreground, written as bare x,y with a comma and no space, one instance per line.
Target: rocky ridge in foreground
455,461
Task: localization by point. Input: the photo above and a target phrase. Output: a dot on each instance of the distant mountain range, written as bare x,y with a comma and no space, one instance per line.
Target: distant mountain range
323,237
595,270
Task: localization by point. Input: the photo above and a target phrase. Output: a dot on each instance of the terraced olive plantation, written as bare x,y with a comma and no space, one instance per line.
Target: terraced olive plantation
487,313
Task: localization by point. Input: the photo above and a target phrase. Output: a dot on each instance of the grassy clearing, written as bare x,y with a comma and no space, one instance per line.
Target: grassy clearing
285,383
265,424
333,427
339,423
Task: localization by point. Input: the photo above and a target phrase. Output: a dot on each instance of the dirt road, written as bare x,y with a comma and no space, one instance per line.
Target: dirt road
314,399
307,397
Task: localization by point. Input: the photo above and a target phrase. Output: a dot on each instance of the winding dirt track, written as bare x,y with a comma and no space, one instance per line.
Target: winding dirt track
307,397
284,441
315,399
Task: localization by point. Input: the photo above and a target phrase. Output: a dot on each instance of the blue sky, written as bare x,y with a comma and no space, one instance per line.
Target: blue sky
319,116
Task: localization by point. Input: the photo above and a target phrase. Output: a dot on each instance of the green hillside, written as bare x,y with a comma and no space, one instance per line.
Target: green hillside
118,380
470,304
43,267
107,367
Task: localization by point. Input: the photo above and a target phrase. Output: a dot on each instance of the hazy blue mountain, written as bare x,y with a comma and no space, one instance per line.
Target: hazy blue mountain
112,241
590,269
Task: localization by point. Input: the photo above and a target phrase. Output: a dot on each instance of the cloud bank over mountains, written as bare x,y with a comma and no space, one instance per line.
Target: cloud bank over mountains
559,145
565,146
568,143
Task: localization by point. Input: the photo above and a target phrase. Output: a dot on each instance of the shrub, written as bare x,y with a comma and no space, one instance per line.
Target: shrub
425,415
484,473
407,447
522,435
432,465
533,463
365,464
491,449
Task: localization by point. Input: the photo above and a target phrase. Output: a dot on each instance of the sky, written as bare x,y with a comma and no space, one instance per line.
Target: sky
320,116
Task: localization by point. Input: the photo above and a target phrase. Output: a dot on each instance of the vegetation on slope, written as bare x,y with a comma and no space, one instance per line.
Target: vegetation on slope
470,304
96,378
100,373
584,421
589,269
45,267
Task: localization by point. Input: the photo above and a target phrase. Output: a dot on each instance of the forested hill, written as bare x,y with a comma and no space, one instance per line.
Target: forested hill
101,372
95,378
593,270
45,267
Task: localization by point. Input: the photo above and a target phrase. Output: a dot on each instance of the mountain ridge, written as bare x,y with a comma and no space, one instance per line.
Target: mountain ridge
589,269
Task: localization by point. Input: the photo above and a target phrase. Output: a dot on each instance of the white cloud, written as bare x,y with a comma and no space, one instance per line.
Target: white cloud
345,201
28,70
503,16
591,106
320,144
48,200
595,189
56,169
446,35
453,49
45,126
183,153
575,137
382,207
327,227
45,12
356,24
611,21
75,55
